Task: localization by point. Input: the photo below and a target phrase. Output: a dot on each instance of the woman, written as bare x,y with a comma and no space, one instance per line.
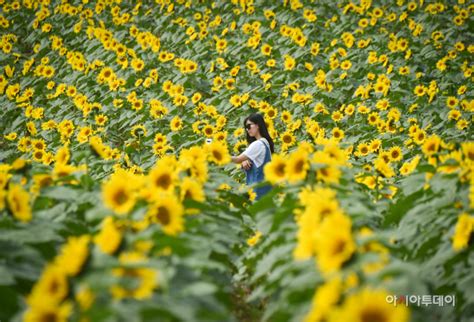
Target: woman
258,153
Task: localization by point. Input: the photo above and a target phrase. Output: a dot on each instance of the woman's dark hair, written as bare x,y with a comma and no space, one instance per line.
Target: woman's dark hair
257,118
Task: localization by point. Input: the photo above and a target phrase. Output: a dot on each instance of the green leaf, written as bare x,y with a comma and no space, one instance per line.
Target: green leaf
6,278
200,289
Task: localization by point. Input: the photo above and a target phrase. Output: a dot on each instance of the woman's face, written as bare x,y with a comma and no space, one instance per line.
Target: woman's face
251,128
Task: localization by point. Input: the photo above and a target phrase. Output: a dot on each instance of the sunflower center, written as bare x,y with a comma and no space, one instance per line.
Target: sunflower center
299,166
338,247
325,211
163,215
131,273
373,316
280,170
163,181
217,155
324,172
54,286
49,317
188,194
46,181
120,197
15,204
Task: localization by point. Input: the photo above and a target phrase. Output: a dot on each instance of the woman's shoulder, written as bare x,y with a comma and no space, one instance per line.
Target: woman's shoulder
264,141
258,144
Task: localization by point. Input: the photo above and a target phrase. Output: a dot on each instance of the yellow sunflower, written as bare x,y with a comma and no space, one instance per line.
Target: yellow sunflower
297,166
162,177
463,231
109,238
50,289
218,153
19,202
431,145
62,155
288,139
275,170
395,153
363,149
326,296
384,168
59,313
176,124
468,151
329,174
334,247
409,166
73,255
118,193
145,278
369,305
191,189
168,212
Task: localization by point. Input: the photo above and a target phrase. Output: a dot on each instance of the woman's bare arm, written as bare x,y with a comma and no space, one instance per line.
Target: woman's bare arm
239,159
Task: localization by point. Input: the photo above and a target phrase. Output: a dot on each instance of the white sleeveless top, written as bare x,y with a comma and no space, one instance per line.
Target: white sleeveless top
256,151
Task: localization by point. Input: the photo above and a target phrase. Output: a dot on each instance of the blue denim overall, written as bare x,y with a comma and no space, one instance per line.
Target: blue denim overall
255,174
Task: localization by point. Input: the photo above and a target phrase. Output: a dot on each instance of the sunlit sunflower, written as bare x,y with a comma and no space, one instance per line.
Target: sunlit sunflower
57,313
38,155
468,150
143,286
337,134
218,153
463,231
329,174
208,130
19,202
73,254
375,145
110,237
419,137
363,149
431,145
118,193
288,138
191,189
384,168
334,246
167,211
163,176
297,166
325,298
51,288
369,305
176,124
395,153
275,170
409,166
266,49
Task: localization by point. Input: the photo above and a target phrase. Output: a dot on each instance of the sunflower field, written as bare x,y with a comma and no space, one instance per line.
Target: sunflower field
116,206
